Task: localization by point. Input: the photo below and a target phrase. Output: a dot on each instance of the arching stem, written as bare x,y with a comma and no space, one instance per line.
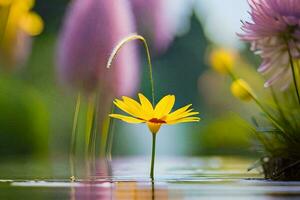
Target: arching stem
109,63
125,41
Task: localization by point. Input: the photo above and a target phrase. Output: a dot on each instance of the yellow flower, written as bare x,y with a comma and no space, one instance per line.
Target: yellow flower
17,23
21,17
144,112
242,90
31,23
222,60
5,2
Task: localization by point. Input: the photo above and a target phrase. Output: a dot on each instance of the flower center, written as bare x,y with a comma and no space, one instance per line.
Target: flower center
157,121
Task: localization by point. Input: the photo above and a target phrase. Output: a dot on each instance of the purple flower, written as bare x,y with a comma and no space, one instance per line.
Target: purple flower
274,33
153,21
91,30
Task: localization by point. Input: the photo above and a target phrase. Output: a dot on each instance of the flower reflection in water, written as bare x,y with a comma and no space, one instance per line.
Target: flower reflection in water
120,190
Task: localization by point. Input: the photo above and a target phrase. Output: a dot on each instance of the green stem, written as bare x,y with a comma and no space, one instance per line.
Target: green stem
73,138
89,123
152,190
104,137
153,156
93,134
231,74
88,131
273,120
294,73
110,135
268,114
121,44
281,113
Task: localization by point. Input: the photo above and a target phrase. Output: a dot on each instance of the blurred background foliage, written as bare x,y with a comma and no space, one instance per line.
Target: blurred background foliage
37,112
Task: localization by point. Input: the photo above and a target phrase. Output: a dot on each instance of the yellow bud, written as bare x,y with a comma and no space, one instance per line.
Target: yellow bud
30,3
5,2
222,60
32,23
241,90
24,5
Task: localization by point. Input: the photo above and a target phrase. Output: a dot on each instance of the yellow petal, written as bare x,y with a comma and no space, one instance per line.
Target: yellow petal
127,108
153,127
127,119
134,105
146,105
182,115
184,120
164,106
132,102
32,23
177,112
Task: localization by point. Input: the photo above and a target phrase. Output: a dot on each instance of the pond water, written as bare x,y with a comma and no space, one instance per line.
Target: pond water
176,178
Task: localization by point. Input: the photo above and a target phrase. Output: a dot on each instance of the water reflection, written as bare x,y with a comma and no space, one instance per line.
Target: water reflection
186,178
92,190
129,190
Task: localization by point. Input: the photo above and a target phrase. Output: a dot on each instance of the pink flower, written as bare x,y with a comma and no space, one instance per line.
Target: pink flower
274,33
91,30
154,22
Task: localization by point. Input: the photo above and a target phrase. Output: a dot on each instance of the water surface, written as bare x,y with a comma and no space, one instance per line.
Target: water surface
176,178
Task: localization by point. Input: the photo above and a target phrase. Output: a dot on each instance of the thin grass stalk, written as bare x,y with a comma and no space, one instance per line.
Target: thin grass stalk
89,126
271,118
293,73
104,137
73,139
266,144
274,121
281,113
110,139
288,99
110,136
93,135
89,122
125,41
